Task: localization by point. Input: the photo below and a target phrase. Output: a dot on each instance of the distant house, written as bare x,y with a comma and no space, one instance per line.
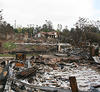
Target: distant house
47,34
52,35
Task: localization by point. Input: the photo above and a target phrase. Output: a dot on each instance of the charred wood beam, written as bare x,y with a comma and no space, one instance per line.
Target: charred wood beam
27,73
2,84
17,89
3,77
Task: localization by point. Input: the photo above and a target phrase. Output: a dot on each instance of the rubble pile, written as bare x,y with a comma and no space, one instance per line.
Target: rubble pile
47,73
60,77
78,52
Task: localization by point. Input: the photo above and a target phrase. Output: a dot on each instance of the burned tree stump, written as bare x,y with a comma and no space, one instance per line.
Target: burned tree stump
73,84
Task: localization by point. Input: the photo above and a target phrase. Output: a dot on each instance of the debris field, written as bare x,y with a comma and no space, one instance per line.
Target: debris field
48,73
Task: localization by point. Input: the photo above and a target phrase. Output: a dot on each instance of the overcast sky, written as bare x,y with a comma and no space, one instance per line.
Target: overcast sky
65,12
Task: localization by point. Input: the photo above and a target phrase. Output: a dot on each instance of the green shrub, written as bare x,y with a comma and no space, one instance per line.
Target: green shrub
9,46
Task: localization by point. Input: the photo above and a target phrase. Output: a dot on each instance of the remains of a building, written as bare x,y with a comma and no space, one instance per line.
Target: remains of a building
51,73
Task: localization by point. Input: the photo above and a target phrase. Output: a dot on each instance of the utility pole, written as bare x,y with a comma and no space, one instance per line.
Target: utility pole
15,23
